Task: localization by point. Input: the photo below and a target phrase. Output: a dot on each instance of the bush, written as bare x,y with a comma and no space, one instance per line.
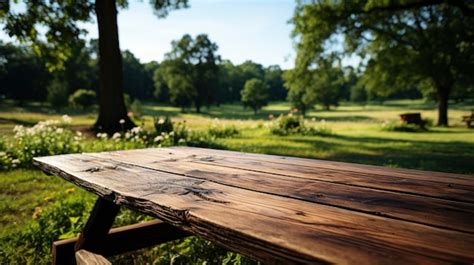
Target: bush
46,138
57,94
83,98
163,125
32,245
402,127
222,131
295,124
136,108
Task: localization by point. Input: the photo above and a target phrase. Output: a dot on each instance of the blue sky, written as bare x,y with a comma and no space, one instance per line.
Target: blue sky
243,29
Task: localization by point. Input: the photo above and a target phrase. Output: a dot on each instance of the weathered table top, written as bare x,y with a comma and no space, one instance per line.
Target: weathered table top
284,208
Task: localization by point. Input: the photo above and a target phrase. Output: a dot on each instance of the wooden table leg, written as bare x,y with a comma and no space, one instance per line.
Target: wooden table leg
94,233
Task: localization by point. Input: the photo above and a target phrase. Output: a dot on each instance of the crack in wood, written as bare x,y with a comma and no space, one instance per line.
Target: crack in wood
92,169
203,194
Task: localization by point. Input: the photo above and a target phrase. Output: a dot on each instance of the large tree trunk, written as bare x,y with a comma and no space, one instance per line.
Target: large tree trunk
112,111
443,108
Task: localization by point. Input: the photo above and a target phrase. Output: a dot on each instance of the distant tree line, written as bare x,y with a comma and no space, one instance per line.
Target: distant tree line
193,75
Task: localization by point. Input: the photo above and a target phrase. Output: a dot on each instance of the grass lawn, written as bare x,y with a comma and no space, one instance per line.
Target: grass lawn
356,137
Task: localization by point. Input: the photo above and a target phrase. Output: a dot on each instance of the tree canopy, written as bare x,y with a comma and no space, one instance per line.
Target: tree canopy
255,94
406,43
60,20
190,71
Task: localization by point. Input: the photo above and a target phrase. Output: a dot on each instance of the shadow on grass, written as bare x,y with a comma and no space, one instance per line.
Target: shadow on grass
346,118
452,156
15,121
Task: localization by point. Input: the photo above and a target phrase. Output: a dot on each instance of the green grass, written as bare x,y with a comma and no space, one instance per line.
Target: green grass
357,137
23,190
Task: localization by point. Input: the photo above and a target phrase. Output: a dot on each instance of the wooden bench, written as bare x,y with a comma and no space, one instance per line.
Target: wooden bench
413,118
276,209
468,119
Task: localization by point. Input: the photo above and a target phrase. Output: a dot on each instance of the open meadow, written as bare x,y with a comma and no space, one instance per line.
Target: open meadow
353,133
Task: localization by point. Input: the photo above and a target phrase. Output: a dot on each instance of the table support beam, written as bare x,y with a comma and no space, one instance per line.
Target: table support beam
98,225
121,240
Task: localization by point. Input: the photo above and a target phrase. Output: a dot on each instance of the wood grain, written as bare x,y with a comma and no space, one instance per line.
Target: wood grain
425,210
432,184
266,226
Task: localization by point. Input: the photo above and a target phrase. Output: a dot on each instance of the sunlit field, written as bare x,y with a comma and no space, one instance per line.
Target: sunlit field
356,136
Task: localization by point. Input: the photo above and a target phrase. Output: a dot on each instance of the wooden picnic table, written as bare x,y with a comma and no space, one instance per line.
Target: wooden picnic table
281,209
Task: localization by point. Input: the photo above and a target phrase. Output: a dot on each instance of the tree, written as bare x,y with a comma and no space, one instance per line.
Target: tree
255,94
135,77
322,85
407,43
83,98
58,93
329,81
297,83
60,19
16,63
200,57
274,79
174,75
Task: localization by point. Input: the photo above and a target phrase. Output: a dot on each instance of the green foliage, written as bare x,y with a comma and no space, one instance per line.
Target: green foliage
57,94
274,79
219,130
177,77
136,108
323,85
192,71
83,98
292,124
32,245
137,81
358,93
402,127
163,125
170,133
45,138
405,45
16,63
254,94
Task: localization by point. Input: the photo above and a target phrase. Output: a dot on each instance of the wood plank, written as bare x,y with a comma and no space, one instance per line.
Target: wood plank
425,210
121,240
452,190
268,227
94,234
84,257
442,177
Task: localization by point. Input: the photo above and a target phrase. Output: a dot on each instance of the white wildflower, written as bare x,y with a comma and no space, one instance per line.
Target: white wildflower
122,121
158,138
136,130
116,135
66,119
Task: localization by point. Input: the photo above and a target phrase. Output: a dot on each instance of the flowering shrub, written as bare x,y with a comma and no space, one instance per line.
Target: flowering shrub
295,124
49,137
163,125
